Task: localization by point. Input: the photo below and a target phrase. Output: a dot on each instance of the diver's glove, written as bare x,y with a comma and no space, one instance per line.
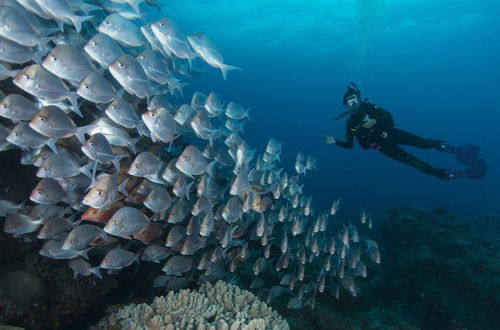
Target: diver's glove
369,122
330,140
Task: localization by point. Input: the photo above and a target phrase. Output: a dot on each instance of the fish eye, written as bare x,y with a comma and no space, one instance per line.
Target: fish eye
94,43
27,76
91,144
120,64
142,57
114,107
4,105
107,23
94,211
16,133
45,168
107,260
86,86
39,192
137,166
162,24
42,118
99,192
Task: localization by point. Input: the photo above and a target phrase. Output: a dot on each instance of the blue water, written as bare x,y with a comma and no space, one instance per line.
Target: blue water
432,64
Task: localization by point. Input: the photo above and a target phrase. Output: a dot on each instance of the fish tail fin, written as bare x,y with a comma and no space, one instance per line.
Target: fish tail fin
78,20
132,144
81,131
225,68
73,99
190,57
188,190
83,253
121,187
51,143
86,169
94,181
116,161
96,272
142,129
135,6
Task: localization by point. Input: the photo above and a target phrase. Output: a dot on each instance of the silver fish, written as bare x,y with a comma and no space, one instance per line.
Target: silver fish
97,89
81,236
99,149
54,227
126,221
146,165
58,166
191,161
232,210
213,105
39,82
53,249
129,73
70,37
68,62
8,207
19,224
151,38
115,134
203,128
181,188
171,174
158,200
184,114
16,108
177,265
12,52
154,67
172,39
175,235
208,51
123,113
61,10
103,49
104,193
155,253
118,259
48,191
122,30
15,27
160,123
179,211
55,123
82,267
235,111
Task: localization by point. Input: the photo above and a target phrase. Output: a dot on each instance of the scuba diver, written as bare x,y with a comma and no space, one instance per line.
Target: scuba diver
373,127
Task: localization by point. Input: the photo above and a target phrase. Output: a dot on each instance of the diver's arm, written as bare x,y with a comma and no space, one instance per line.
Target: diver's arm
348,143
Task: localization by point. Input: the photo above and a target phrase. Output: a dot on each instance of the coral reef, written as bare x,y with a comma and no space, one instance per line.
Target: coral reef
218,306
22,287
65,298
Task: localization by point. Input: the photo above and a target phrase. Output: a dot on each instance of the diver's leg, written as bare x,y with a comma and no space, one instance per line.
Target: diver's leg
398,136
399,154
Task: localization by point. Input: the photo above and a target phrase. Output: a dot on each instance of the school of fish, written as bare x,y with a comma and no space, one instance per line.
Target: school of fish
126,176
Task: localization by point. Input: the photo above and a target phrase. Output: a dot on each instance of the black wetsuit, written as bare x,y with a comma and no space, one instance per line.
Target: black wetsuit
384,137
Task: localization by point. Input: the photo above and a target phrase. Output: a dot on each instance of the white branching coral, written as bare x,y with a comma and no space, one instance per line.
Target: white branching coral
213,307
